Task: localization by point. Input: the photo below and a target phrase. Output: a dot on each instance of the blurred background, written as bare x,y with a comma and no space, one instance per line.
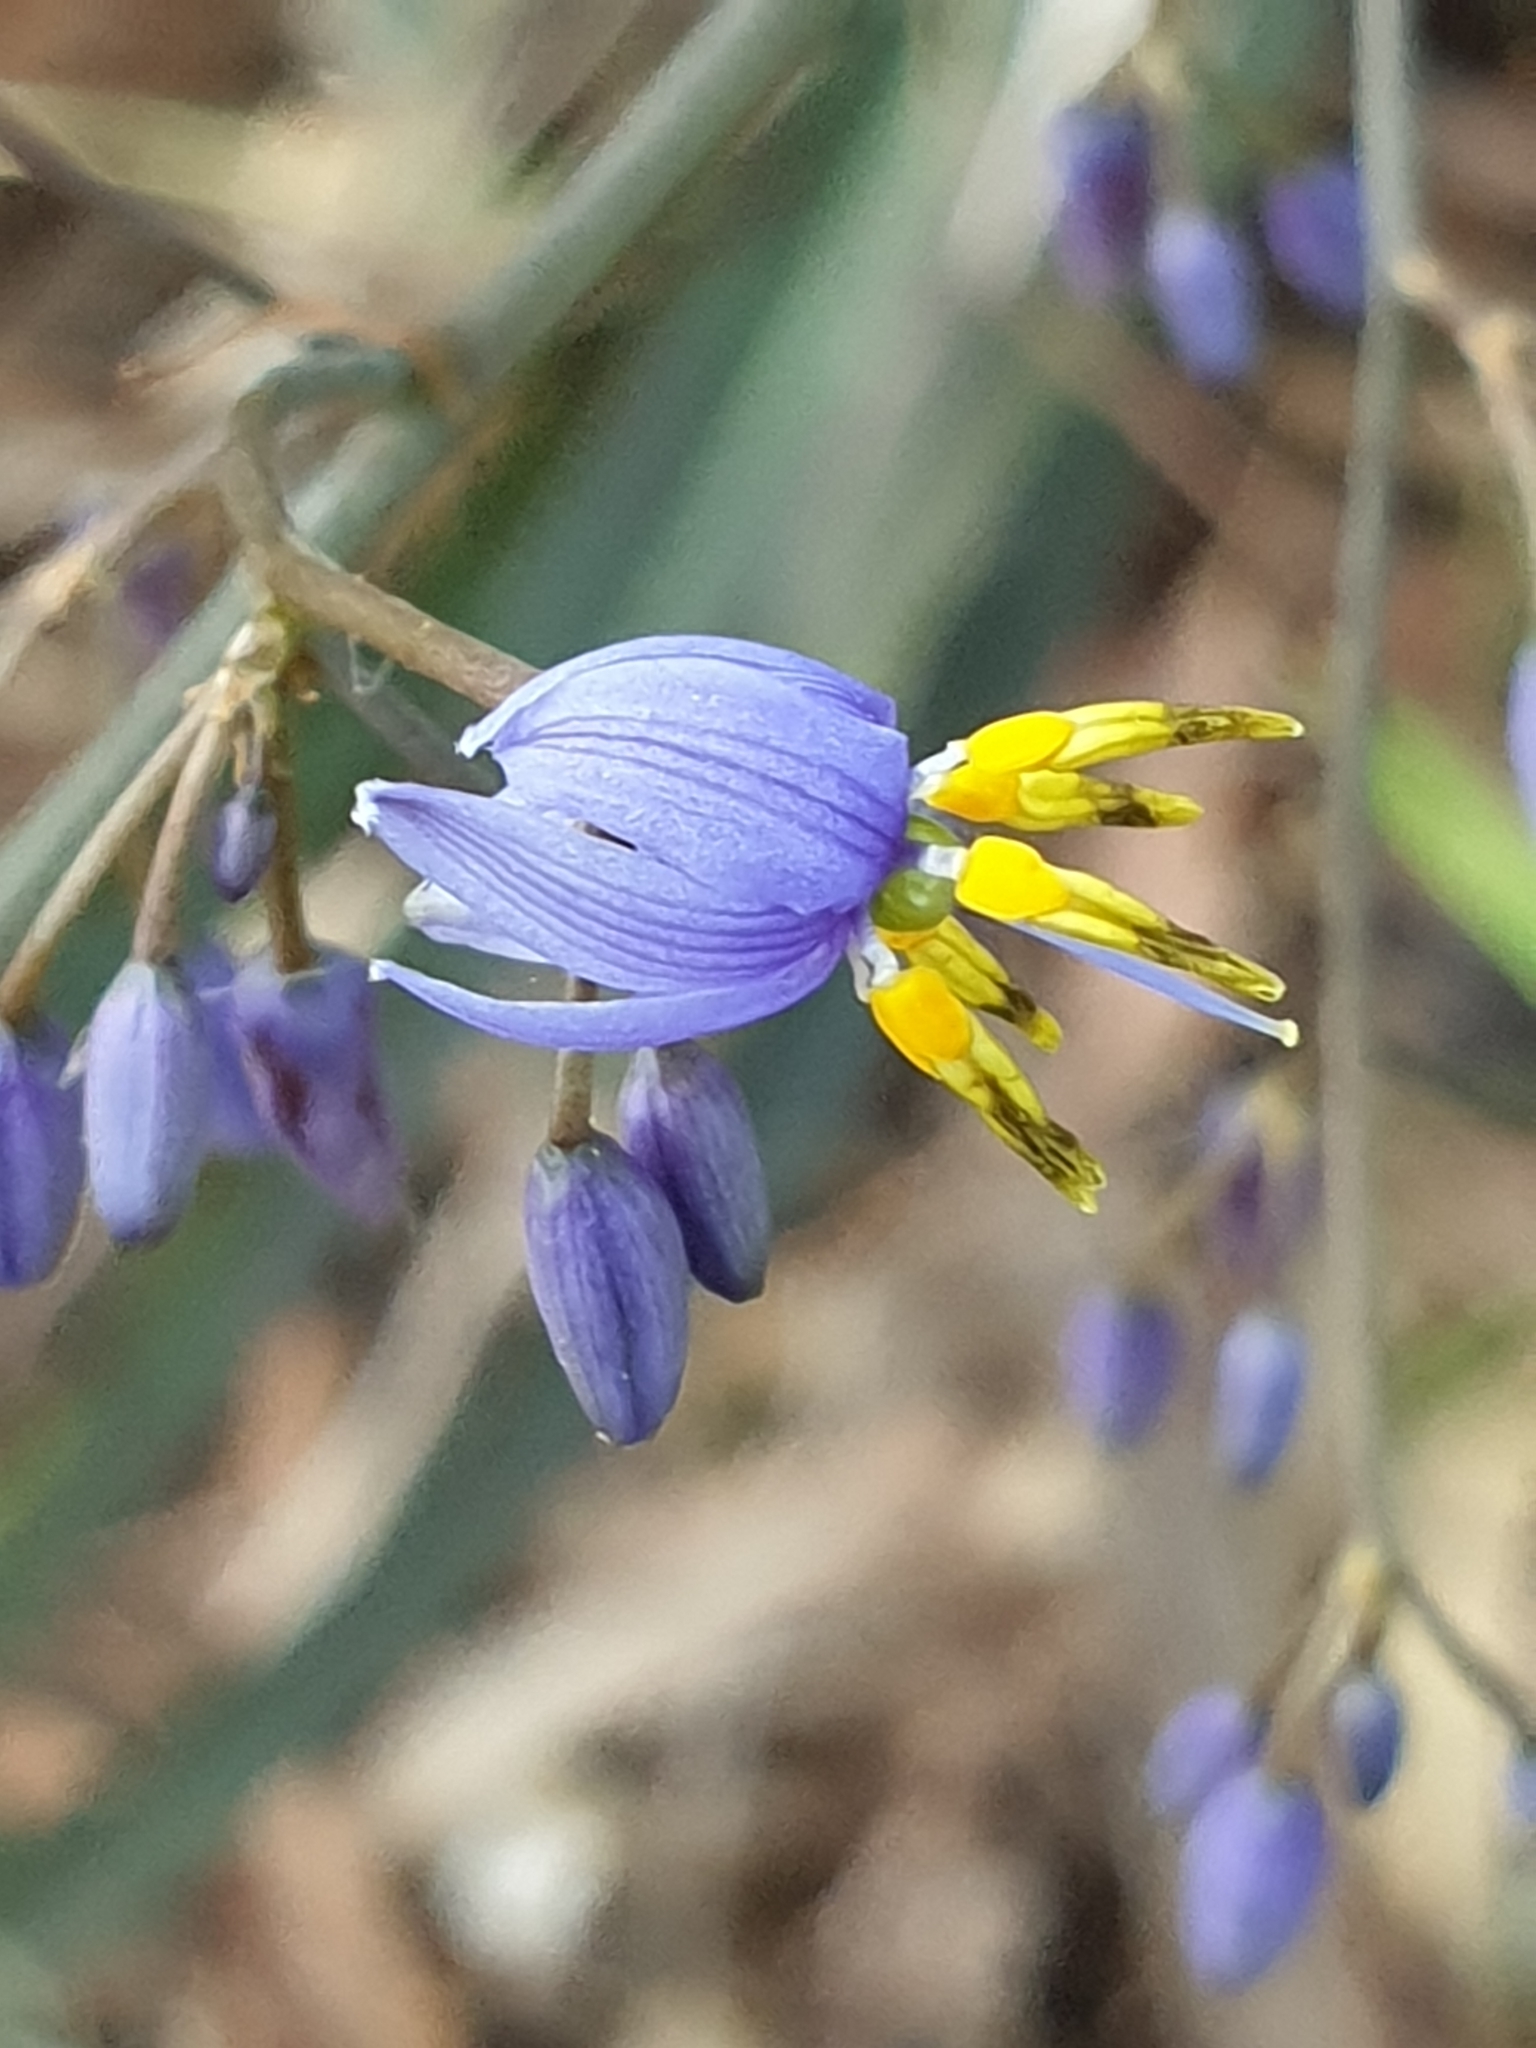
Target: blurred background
351,1697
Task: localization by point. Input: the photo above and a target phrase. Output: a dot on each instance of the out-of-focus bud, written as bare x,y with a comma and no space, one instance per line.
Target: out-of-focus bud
1207,1739
1520,727
1365,1722
243,837
1261,1371
1314,234
1255,1861
1103,157
609,1274
684,1120
42,1160
1119,1357
307,1046
1520,1788
1205,290
148,1078
1257,1146
235,1128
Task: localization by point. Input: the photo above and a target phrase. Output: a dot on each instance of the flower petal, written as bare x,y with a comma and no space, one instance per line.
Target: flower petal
627,1023
607,912
1164,981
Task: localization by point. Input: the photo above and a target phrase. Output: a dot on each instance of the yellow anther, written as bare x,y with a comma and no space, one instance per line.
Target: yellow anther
1027,740
977,977
983,799
1105,916
925,1021
1009,881
1112,732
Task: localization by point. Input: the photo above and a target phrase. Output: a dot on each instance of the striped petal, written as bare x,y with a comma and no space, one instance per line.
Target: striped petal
1164,981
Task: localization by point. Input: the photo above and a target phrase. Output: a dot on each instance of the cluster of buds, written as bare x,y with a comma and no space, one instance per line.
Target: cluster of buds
1117,234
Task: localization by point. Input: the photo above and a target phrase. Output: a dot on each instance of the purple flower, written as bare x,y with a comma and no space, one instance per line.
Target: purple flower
244,835
1315,236
1103,156
610,1277
1207,1739
1119,1356
1205,290
1520,727
683,1119
306,1042
235,1126
1256,1146
148,1077
1261,1371
699,823
1365,1721
1255,1860
42,1162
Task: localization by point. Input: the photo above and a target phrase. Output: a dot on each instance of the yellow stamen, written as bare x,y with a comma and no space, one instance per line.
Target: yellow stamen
923,1019
1009,881
977,977
1105,916
1112,732
1027,740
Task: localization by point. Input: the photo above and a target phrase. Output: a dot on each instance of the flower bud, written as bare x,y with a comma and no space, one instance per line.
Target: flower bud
235,1127
307,1046
244,834
683,1119
1255,1860
609,1274
1103,156
1261,1369
1119,1356
1520,727
1520,1788
1313,231
42,1161
1365,1723
1205,291
148,1078
1207,1739
1256,1145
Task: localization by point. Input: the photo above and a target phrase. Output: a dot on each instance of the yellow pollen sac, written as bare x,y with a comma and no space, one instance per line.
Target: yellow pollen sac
982,799
925,1021
977,977
1006,880
1112,732
1029,739
1106,916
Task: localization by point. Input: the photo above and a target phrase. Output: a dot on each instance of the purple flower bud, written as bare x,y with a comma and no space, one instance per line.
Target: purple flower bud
609,1273
1520,1788
1520,727
1119,1355
683,1119
1255,1860
1256,1146
307,1044
1103,156
1207,1739
1316,239
244,834
1261,1370
235,1127
148,1077
42,1161
1365,1721
1205,290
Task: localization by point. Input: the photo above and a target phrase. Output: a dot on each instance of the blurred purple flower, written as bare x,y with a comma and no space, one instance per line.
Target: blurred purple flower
1520,727
610,1278
1119,1356
1208,1738
1204,288
1255,1144
1315,235
235,1126
1103,157
683,1119
1365,1722
1520,1788
148,1080
42,1160
1255,1860
1260,1378
243,836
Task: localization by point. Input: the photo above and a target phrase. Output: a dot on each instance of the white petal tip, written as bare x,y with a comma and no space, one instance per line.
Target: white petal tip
365,806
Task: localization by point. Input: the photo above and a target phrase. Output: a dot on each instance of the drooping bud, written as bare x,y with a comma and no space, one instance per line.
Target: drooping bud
609,1275
1365,1722
1103,156
1314,234
42,1159
1255,1861
148,1078
1261,1371
1520,727
244,835
1205,290
235,1126
1207,1739
1520,1788
307,1045
1258,1150
685,1121
1119,1357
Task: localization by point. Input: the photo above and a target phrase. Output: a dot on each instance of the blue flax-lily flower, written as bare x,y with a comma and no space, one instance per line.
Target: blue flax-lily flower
709,826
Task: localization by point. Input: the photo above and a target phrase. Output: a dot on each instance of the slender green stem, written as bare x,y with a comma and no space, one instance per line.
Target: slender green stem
570,1113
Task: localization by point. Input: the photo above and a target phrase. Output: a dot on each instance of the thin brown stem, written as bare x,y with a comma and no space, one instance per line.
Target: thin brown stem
157,928
570,1114
291,948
